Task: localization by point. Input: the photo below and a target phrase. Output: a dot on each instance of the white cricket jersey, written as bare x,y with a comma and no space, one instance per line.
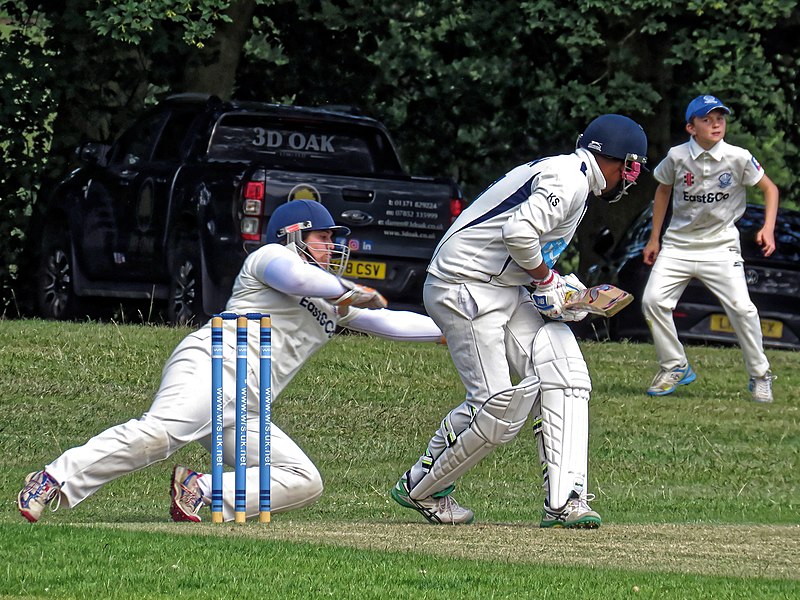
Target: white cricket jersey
527,216
301,325
708,197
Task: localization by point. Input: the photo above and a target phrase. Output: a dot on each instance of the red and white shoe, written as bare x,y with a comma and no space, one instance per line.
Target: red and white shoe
40,490
187,498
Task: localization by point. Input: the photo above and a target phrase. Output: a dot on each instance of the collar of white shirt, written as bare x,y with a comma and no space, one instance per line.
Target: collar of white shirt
595,178
716,152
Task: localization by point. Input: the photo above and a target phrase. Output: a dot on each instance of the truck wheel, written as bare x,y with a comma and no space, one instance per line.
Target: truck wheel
55,294
186,287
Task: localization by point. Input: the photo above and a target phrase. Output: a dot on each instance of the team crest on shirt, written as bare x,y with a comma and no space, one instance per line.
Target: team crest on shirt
725,180
688,179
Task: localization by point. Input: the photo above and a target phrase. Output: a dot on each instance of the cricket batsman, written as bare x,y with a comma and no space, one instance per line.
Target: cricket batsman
476,291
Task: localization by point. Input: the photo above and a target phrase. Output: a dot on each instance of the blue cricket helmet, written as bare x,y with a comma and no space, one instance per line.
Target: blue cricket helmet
615,136
300,216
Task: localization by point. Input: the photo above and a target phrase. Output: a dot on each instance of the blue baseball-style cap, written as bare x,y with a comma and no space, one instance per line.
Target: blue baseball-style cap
702,105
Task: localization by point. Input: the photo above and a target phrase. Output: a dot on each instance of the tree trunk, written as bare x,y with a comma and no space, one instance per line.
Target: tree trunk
212,69
618,217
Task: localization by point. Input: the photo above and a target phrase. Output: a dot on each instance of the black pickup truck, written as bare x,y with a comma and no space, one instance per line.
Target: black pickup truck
169,210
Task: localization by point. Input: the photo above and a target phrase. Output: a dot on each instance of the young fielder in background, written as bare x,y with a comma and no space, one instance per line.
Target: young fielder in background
296,278
507,239
707,179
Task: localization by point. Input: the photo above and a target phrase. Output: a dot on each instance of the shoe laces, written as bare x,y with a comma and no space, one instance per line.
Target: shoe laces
581,503
46,488
663,377
762,386
676,374
53,499
447,504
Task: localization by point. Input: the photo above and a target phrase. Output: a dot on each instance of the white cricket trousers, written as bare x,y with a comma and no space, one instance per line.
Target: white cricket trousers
489,332
726,280
179,414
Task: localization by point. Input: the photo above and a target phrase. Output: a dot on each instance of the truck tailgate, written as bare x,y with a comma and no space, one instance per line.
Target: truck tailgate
400,218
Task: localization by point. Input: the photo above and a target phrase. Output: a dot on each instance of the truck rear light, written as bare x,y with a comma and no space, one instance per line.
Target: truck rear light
253,209
251,228
456,208
254,190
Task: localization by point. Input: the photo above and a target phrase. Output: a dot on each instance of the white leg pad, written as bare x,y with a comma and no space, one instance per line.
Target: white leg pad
496,422
561,415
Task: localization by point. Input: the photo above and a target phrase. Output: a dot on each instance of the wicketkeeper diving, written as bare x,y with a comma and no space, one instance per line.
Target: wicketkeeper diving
296,277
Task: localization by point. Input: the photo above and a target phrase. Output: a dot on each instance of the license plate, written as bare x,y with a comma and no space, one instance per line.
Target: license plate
769,328
362,269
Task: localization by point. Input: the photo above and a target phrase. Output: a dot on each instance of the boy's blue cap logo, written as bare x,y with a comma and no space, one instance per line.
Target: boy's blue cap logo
702,105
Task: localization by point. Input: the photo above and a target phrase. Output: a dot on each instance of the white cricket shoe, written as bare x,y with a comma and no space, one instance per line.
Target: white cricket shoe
39,491
439,508
187,499
576,514
761,387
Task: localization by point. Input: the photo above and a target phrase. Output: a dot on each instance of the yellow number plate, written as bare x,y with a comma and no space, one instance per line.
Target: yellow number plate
769,328
362,269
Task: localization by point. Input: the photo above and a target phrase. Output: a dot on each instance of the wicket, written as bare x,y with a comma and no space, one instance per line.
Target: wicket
265,415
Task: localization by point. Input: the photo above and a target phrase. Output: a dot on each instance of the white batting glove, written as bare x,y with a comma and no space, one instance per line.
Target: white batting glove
359,296
549,295
574,285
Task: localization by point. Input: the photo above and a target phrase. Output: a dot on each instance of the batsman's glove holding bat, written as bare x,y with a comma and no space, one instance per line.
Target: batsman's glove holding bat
551,293
359,296
574,285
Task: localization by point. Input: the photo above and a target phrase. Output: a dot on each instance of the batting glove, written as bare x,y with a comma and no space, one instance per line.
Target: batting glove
549,295
574,285
359,296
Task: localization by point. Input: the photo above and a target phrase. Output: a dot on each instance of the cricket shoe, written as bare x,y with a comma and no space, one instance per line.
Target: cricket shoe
667,381
187,499
576,514
439,508
39,491
761,387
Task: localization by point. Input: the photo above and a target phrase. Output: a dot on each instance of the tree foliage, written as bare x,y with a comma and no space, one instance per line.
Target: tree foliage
468,88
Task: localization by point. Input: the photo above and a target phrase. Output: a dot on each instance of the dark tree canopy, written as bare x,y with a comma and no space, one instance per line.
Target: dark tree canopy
469,89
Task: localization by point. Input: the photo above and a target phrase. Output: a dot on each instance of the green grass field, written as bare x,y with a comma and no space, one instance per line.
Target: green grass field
698,491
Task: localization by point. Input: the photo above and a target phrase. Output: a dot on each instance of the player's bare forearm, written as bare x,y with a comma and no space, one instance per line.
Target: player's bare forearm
766,235
539,273
660,204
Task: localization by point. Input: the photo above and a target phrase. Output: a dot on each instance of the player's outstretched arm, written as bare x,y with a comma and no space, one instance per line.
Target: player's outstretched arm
286,272
397,325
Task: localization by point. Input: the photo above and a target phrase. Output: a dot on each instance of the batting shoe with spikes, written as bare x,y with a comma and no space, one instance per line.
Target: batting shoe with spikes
40,490
576,514
187,498
439,508
667,381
